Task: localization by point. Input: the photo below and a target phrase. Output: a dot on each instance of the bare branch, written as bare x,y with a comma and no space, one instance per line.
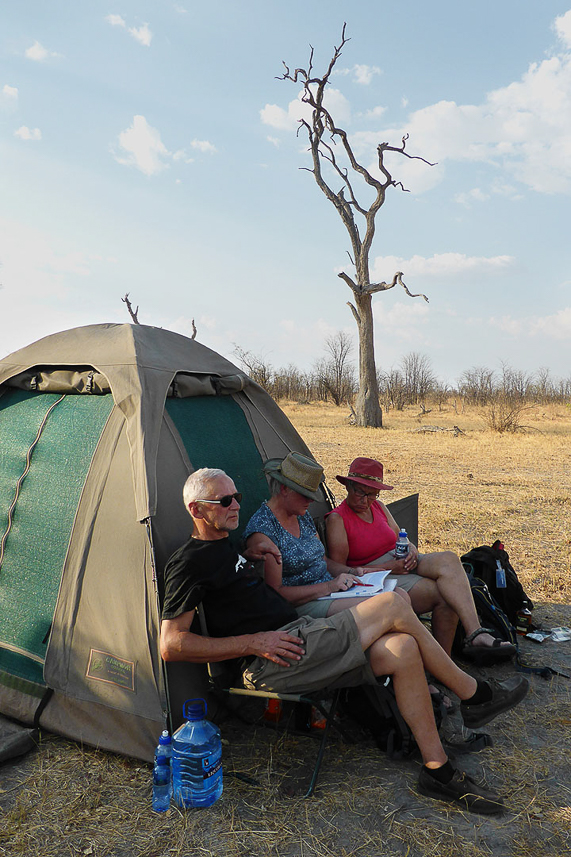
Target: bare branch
356,315
132,313
351,283
383,287
193,330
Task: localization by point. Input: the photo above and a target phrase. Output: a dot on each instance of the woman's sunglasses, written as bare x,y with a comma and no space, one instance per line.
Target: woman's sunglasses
223,501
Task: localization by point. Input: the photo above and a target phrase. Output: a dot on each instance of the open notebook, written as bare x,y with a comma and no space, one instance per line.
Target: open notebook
376,582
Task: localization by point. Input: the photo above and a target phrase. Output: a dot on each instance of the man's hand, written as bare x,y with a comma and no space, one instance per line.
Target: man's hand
276,646
261,550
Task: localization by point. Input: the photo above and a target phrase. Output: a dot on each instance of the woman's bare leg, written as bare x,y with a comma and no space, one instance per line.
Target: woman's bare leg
447,572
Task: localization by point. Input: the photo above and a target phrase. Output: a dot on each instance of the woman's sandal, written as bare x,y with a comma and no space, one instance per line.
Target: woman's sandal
482,655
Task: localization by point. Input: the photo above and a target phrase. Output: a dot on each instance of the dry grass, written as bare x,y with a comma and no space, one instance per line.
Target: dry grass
475,487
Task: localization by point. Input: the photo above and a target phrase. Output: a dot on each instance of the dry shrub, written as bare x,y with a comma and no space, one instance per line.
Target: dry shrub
504,414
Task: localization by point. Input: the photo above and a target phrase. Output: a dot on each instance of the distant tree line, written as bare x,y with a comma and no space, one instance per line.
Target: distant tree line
413,382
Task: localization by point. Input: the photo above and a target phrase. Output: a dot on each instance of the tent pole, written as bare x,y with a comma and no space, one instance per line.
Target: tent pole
163,666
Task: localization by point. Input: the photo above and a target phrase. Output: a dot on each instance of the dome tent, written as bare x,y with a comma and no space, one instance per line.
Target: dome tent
99,428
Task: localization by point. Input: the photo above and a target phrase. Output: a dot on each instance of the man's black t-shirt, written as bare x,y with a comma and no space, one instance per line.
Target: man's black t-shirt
235,599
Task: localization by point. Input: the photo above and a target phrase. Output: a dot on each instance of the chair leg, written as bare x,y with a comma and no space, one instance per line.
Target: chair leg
328,721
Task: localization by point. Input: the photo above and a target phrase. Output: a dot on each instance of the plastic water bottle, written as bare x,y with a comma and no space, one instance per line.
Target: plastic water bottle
162,787
500,576
196,758
401,547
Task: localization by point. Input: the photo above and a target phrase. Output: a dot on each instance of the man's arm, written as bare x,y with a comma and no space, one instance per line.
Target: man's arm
178,643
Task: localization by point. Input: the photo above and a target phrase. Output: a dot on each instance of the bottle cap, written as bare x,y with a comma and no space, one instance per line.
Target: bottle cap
165,738
194,709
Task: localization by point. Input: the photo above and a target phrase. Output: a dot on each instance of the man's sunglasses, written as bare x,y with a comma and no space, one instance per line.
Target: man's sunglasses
223,501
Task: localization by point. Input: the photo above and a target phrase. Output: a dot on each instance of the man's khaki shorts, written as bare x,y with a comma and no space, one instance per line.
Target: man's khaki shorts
333,658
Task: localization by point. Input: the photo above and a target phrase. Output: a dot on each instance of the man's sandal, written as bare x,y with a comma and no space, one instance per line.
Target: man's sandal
483,655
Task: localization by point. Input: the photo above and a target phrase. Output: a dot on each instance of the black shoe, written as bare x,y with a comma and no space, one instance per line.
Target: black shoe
504,697
461,790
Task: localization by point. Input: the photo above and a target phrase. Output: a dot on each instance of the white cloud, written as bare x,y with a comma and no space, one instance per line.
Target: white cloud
522,130
142,34
375,113
362,74
562,27
365,73
474,195
555,326
38,53
143,147
288,120
115,20
181,155
204,146
10,93
439,265
25,133
408,317
273,140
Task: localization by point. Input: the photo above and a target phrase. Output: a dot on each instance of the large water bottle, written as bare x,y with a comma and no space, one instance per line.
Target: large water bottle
196,758
401,547
162,787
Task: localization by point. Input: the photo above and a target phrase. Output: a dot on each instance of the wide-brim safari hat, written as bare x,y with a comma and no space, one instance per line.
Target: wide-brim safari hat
298,472
365,471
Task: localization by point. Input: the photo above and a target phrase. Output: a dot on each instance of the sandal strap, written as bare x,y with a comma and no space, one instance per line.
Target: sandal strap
471,637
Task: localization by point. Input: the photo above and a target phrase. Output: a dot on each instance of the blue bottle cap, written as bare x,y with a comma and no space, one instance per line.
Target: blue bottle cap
194,709
165,738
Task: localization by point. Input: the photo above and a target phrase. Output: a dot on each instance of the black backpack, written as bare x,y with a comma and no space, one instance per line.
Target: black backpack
482,562
375,709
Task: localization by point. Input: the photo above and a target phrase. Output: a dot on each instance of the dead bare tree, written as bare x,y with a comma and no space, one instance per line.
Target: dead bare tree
132,312
324,136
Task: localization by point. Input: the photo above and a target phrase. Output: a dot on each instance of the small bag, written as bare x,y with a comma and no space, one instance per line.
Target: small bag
482,562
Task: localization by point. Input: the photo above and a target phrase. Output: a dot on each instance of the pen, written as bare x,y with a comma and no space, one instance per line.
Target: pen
363,584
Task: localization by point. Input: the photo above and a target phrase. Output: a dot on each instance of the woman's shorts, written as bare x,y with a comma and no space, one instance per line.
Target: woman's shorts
316,609
333,658
403,581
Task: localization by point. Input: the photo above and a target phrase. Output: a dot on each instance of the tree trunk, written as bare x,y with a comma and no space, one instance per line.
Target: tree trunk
367,408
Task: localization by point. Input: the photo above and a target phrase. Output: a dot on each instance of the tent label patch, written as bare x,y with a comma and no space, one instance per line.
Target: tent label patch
105,667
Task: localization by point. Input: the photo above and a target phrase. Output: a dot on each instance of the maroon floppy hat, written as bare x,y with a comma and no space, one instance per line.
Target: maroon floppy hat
365,471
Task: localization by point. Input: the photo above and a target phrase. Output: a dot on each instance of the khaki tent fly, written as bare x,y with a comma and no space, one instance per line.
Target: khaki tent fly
99,428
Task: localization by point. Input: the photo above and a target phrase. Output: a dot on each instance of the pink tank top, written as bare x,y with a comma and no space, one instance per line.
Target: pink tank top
367,541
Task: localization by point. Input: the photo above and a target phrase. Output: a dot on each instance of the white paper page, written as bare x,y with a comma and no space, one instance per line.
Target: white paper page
376,581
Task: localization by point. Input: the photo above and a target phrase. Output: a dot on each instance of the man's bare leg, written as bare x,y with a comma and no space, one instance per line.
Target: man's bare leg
386,614
398,655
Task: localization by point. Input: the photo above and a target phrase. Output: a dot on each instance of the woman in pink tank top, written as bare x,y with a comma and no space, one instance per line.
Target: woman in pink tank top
362,532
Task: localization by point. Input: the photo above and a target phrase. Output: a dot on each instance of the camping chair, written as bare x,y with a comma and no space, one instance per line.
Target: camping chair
221,682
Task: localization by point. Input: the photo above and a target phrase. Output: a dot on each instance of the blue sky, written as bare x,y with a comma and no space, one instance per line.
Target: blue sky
149,148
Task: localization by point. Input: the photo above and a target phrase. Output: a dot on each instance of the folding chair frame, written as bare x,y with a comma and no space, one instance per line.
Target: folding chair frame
328,714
